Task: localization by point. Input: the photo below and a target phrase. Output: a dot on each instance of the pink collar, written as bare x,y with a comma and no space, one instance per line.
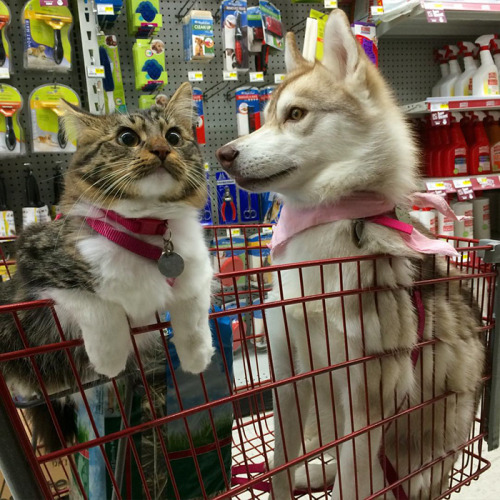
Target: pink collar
369,206
137,226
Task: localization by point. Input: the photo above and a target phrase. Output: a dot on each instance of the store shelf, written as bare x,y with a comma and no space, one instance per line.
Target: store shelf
465,19
452,104
477,182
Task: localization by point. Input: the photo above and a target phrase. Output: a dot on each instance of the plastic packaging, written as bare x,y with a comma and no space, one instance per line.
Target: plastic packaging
445,225
247,110
11,132
447,88
113,80
198,36
463,84
482,223
492,126
485,79
235,35
5,62
455,155
144,18
149,65
200,122
479,152
440,57
465,228
428,218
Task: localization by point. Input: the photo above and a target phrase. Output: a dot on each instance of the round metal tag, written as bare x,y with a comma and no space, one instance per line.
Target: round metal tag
403,215
171,265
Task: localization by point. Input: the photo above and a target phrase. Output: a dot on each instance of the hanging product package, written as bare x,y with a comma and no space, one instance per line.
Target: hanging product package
149,65
198,36
7,223
247,110
314,34
234,25
144,18
200,122
265,94
48,135
11,133
146,101
206,212
108,12
210,430
113,80
272,25
366,34
35,210
46,37
5,62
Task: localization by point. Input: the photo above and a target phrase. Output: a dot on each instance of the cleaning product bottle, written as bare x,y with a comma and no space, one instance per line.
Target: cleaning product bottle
455,155
463,84
495,50
439,56
485,79
492,126
444,157
467,126
479,152
448,85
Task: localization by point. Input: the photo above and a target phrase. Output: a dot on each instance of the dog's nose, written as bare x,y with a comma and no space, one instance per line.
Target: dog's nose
161,152
226,156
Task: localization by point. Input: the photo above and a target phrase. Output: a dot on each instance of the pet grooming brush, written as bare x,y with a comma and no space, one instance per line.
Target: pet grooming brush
107,82
9,109
54,106
147,10
56,23
3,55
153,68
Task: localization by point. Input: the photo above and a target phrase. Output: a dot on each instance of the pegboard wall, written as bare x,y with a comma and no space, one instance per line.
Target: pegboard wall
407,64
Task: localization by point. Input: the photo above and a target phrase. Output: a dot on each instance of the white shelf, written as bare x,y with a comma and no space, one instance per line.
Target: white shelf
464,19
452,104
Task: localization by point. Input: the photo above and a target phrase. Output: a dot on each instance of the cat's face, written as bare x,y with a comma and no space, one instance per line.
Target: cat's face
149,154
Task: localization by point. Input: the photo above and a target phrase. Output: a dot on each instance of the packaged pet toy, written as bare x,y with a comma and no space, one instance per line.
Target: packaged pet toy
235,35
47,31
264,97
247,110
200,123
149,65
366,35
5,68
198,35
144,18
113,81
47,133
108,12
11,133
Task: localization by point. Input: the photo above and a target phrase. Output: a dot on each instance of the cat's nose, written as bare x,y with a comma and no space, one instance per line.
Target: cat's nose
226,156
161,152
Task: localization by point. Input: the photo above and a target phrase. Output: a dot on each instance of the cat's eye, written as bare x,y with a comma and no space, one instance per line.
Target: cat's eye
128,138
296,114
174,137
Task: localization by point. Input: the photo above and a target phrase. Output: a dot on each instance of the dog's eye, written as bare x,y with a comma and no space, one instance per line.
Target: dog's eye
173,137
128,138
296,114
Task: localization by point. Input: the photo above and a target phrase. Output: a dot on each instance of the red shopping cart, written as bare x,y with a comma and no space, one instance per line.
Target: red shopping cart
162,435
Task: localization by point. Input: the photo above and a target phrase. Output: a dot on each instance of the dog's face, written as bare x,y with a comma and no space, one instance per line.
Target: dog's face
331,128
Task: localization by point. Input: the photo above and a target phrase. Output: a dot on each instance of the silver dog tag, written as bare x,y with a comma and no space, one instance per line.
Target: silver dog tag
403,215
170,263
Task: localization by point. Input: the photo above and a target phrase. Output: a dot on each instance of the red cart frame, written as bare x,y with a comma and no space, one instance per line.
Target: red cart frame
241,299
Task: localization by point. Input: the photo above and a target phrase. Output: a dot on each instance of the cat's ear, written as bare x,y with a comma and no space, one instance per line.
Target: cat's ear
75,119
180,107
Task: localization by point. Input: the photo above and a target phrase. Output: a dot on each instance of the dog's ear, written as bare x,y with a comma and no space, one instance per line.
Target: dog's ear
341,50
293,57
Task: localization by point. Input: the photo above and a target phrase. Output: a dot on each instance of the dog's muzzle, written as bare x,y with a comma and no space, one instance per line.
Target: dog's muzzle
226,156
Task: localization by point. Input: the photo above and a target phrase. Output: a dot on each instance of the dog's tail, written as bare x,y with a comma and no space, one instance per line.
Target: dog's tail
43,428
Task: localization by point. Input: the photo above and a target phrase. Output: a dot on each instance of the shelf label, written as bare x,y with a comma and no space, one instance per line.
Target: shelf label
95,71
464,189
53,3
331,4
279,77
256,76
459,183
4,73
230,75
105,9
440,106
435,186
267,230
492,182
376,10
234,232
440,118
436,15
195,76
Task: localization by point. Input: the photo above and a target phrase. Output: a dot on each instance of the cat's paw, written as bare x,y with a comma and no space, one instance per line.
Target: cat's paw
198,359
109,362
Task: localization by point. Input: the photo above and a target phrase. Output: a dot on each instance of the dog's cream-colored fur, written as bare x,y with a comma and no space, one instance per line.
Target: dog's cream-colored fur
351,137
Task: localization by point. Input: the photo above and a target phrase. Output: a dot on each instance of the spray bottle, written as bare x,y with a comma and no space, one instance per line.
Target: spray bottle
455,155
448,85
463,84
485,79
439,56
479,152
495,50
492,126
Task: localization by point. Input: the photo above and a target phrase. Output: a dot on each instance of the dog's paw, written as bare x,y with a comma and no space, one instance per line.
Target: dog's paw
319,475
110,366
196,358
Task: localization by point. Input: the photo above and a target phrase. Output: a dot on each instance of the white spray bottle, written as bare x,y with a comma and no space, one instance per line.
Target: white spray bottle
495,50
463,84
439,56
485,79
448,85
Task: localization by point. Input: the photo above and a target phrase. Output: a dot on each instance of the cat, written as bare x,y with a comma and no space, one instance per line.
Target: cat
142,165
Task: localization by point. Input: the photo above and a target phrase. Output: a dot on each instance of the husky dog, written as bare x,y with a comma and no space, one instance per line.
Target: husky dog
332,130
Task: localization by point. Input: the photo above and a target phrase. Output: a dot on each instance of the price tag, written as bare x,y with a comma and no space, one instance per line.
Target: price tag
230,75
105,9
435,16
256,76
4,73
279,77
331,4
440,118
439,106
435,186
485,7
53,3
464,189
267,230
376,10
460,183
195,76
486,182
234,232
95,71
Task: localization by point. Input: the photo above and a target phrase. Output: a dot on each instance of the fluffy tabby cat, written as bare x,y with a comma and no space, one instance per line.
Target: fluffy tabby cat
142,165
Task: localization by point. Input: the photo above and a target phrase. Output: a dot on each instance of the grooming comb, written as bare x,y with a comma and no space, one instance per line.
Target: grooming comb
54,106
9,109
56,23
3,55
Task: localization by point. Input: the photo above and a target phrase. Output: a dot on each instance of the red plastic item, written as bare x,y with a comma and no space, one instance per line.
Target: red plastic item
455,154
479,152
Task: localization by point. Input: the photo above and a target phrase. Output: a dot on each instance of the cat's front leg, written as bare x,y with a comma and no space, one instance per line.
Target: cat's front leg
104,328
192,335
